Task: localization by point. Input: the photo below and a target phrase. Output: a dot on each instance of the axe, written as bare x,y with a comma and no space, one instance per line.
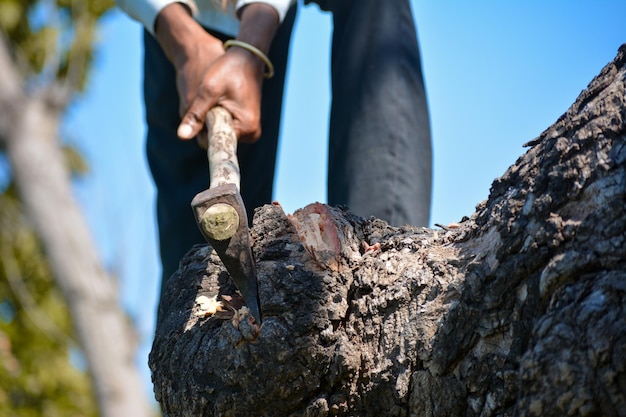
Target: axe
220,212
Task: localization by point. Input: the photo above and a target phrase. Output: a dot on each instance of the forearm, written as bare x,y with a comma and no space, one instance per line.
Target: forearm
259,22
146,11
179,34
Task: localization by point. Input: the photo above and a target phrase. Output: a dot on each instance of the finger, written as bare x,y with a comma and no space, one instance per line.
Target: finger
247,127
193,120
250,137
189,127
202,139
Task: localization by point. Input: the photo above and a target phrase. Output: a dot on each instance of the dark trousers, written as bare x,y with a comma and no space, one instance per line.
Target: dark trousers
379,160
379,150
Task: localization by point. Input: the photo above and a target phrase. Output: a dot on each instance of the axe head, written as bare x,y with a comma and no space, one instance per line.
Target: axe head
222,219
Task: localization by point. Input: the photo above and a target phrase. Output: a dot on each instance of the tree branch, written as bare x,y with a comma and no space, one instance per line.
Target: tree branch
517,312
10,88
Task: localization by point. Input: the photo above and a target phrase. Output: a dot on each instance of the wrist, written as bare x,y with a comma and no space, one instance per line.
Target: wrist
254,53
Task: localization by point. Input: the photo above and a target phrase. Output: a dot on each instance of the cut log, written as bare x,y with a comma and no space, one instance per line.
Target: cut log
518,311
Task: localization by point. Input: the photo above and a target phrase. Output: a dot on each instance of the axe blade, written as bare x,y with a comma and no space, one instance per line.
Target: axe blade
233,246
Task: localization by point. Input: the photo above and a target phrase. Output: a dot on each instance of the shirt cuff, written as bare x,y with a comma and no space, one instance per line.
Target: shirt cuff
281,6
146,11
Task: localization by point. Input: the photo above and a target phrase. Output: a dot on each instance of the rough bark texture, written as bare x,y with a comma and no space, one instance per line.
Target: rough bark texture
520,311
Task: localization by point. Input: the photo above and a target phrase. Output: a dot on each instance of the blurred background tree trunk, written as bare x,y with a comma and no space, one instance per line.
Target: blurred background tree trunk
45,53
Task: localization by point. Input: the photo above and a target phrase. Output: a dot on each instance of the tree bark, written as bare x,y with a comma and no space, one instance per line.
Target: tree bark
517,311
29,133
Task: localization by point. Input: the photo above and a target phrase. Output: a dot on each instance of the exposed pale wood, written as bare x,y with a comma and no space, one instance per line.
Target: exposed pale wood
220,221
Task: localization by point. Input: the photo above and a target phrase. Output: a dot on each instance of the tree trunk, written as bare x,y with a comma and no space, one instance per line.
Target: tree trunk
29,132
517,311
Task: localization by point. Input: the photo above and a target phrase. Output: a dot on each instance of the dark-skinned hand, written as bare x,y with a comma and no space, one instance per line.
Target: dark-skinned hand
207,76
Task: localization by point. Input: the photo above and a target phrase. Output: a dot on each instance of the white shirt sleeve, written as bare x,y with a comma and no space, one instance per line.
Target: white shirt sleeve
146,11
281,6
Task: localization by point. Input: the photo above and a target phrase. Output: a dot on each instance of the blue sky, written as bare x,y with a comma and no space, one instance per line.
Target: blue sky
497,74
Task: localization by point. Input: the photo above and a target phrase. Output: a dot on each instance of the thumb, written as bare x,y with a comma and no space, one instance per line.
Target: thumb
193,120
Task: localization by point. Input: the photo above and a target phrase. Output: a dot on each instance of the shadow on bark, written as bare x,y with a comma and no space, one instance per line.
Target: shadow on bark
518,311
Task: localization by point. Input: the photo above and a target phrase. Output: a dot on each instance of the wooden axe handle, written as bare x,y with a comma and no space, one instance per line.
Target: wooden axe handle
220,211
222,148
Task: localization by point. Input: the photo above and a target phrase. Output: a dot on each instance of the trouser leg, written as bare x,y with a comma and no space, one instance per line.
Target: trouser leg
258,160
380,147
180,168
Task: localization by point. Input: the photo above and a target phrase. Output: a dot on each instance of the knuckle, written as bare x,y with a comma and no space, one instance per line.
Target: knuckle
193,116
207,89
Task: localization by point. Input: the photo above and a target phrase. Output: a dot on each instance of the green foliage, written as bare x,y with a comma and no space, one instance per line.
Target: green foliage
53,40
74,161
37,377
11,12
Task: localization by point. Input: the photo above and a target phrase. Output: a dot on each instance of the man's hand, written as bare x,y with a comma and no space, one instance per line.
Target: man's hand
189,47
234,80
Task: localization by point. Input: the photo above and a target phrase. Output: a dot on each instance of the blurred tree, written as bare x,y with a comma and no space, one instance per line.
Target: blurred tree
46,48
36,376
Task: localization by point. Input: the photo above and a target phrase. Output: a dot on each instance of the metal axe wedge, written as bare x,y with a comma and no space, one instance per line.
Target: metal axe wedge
220,211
